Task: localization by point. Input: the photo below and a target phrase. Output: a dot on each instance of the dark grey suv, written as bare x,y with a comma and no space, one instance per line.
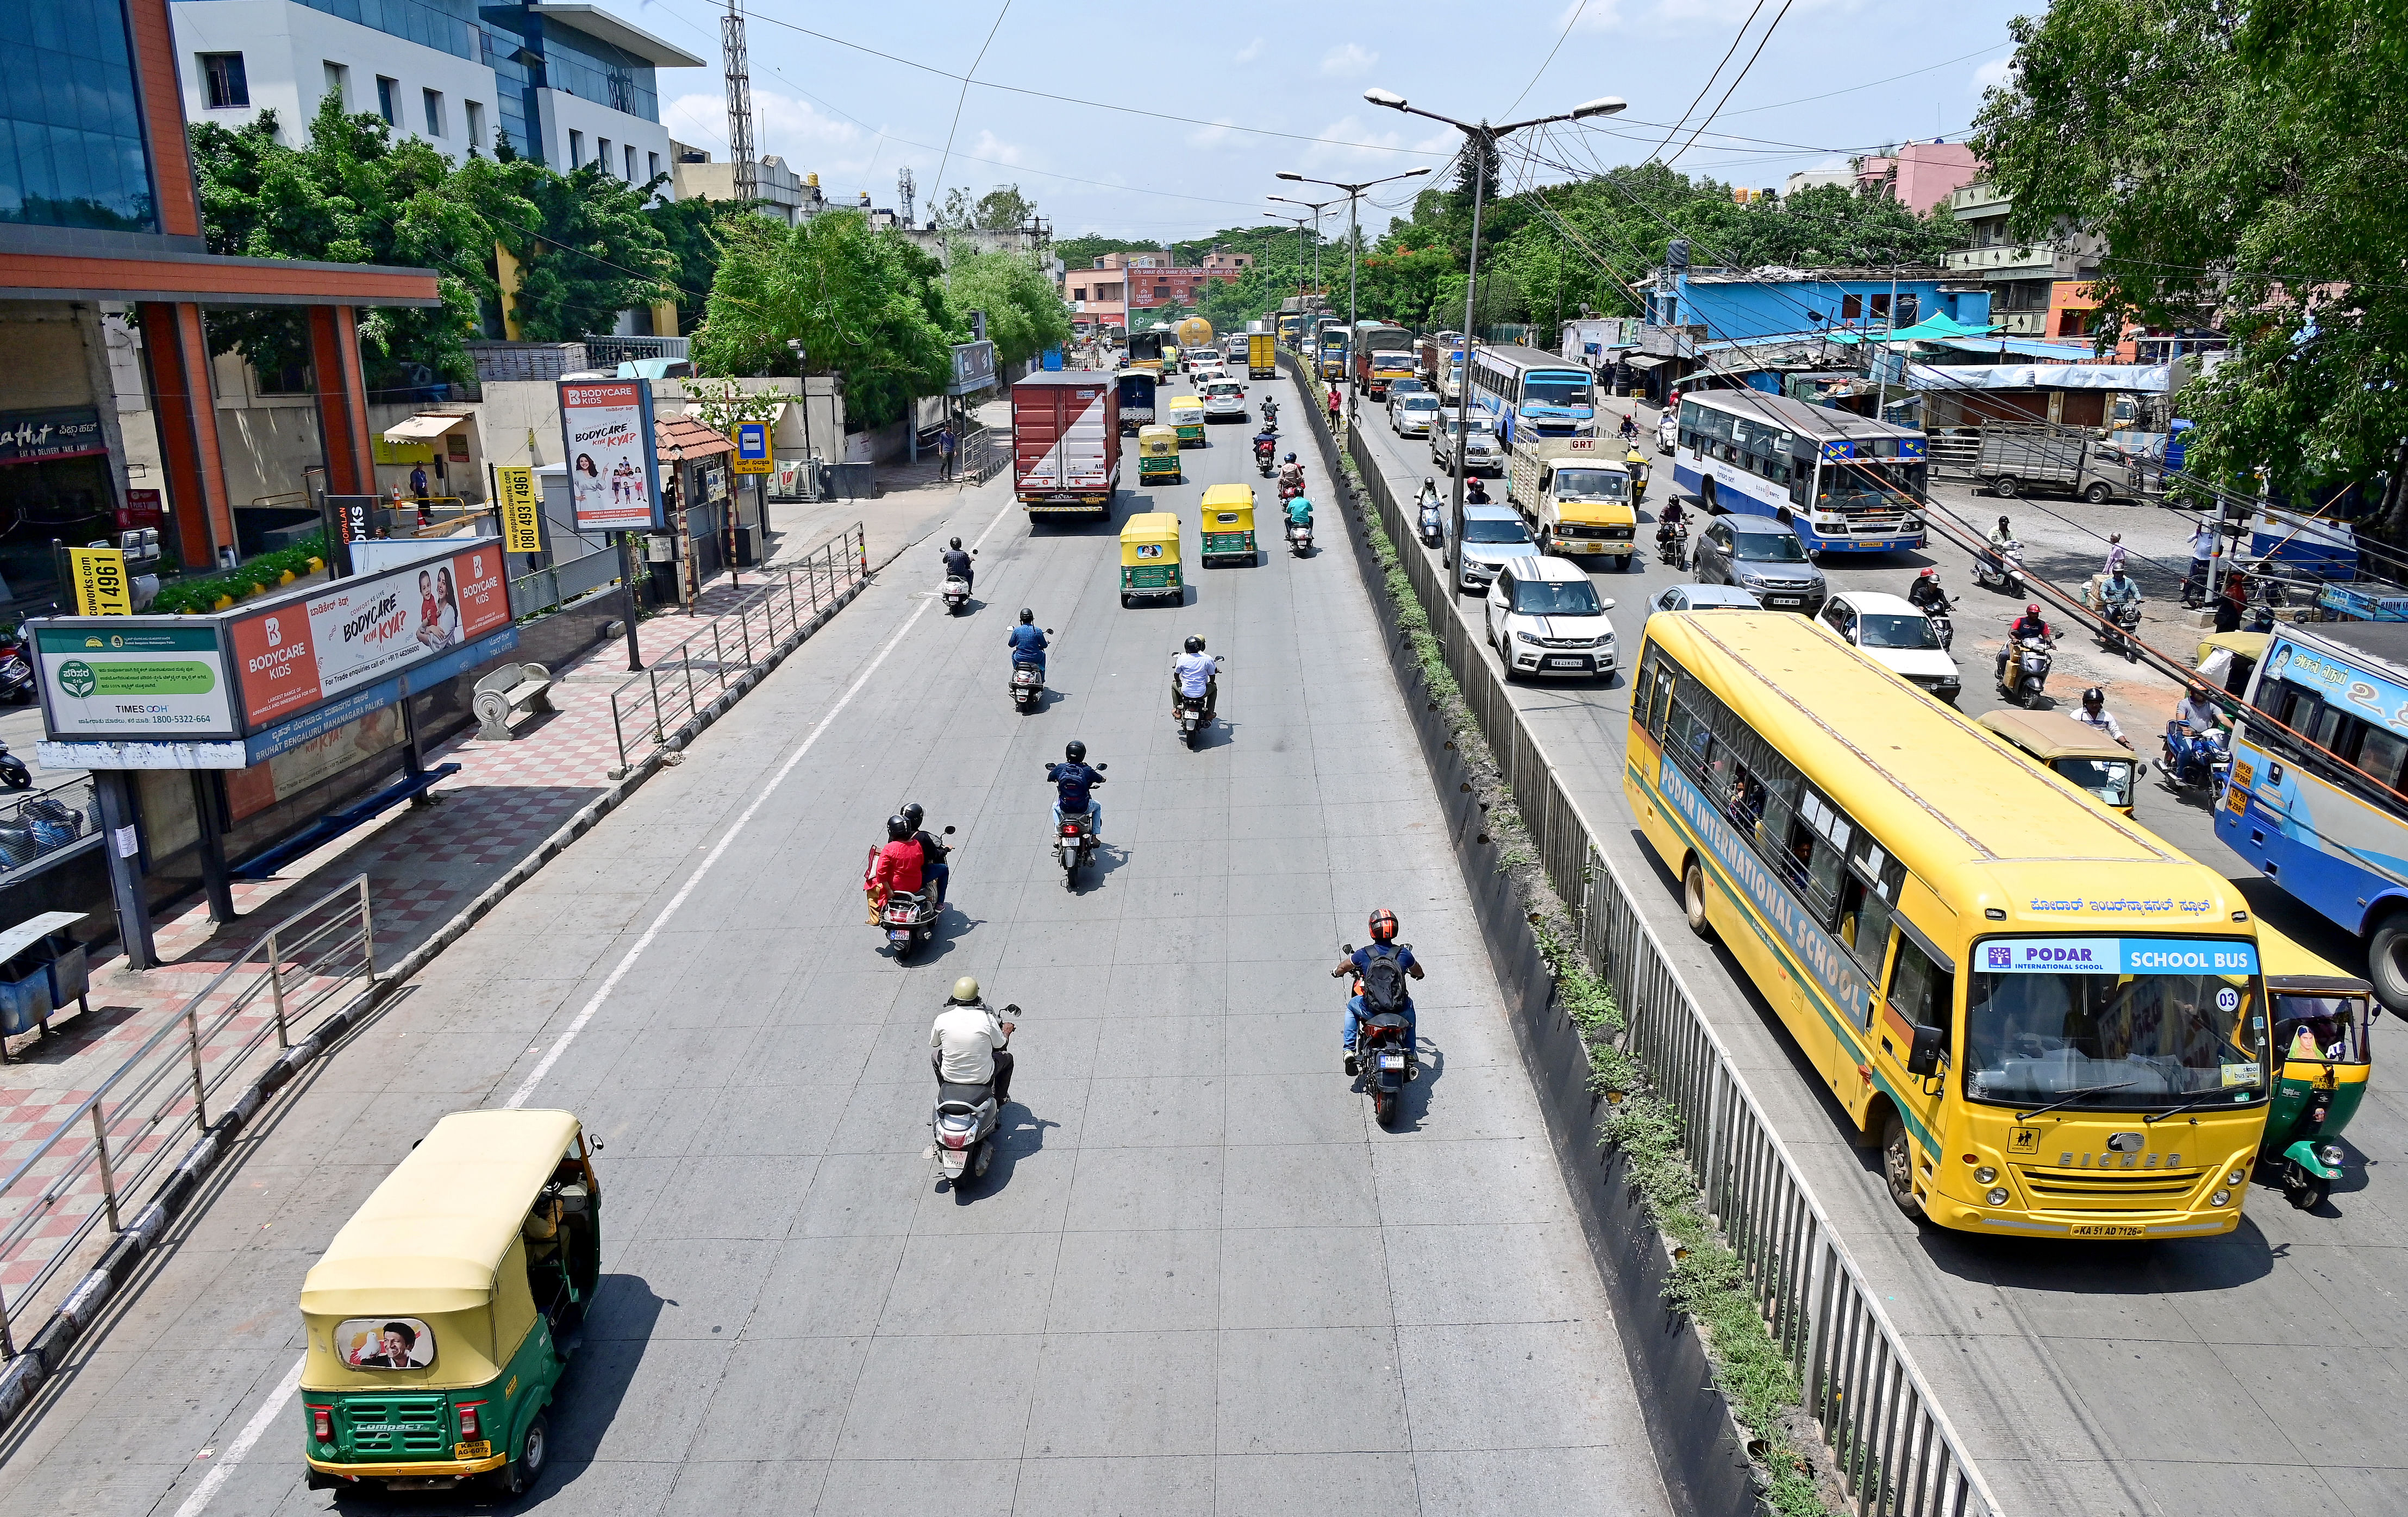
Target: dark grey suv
1763,557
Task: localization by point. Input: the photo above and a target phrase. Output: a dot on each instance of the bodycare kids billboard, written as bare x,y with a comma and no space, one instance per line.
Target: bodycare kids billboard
613,465
306,650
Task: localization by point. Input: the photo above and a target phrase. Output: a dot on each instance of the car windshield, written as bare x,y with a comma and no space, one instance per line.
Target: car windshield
1556,390
1404,387
1890,629
1556,597
1478,424
2163,1020
1479,530
1420,403
2110,780
1592,484
1768,548
1225,390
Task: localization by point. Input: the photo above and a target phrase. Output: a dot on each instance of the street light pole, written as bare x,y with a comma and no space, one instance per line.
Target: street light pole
1482,139
1354,237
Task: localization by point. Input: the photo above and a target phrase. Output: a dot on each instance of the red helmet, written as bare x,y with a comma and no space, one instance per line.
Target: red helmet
2032,609
1928,574
1384,925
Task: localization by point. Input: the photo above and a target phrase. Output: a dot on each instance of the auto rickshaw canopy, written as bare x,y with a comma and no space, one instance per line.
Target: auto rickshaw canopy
1157,441
1151,537
1186,410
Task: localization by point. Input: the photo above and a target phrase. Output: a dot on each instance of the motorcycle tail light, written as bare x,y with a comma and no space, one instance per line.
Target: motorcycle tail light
468,1431
322,1424
1068,830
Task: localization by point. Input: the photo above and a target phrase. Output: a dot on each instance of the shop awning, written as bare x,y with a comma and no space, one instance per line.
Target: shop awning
423,428
2142,378
1643,361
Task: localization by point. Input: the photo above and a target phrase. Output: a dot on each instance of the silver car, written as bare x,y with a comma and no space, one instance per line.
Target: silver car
1409,415
1491,535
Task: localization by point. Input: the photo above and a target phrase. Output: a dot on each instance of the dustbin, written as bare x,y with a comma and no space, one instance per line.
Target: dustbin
24,997
42,967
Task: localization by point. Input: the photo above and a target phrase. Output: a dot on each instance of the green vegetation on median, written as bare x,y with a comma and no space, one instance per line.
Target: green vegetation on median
1708,1282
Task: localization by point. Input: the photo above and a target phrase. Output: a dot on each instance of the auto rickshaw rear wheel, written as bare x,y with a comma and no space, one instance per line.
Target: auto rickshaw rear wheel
520,1475
2304,1191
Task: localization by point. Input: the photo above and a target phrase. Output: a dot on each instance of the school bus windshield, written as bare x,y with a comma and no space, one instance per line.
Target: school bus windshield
2051,1027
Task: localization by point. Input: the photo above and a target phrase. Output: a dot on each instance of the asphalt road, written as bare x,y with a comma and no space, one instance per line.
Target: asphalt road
1198,1280
2225,1374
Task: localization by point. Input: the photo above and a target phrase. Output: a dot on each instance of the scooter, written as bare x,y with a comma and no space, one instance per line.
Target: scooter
1289,489
957,591
2001,569
2027,663
1299,537
13,772
1266,457
963,1127
2117,622
1433,523
1672,544
16,680
1383,1061
1943,623
2187,760
1028,682
1074,844
910,917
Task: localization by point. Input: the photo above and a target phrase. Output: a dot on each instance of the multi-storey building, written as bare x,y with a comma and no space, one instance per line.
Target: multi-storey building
2023,277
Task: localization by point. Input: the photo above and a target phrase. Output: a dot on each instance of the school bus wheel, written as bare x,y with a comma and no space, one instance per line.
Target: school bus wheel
1693,898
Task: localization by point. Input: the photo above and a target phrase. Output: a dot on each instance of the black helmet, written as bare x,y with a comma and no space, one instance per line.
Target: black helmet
2095,695
1291,458
957,542
1075,750
913,815
1196,645
898,829
2002,520
1027,615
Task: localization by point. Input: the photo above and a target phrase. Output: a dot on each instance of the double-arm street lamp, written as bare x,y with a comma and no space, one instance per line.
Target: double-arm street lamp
1483,140
1301,221
1354,195
1316,210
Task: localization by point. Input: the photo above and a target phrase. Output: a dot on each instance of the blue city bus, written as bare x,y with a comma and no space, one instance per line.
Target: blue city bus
2318,795
1847,484
1528,393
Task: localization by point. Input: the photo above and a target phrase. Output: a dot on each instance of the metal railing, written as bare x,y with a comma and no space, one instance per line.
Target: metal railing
1894,1450
542,589
654,704
34,823
982,454
117,1137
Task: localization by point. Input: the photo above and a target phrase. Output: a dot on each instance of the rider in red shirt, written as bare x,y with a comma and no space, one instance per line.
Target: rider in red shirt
895,866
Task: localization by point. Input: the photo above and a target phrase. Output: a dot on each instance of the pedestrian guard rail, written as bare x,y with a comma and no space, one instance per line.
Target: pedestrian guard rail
1894,1450
76,1170
779,612
556,585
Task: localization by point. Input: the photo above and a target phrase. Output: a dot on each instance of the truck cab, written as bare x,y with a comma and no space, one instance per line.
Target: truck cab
1576,493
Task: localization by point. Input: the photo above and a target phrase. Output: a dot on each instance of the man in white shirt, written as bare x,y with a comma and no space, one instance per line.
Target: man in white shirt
1194,673
967,1046
2094,714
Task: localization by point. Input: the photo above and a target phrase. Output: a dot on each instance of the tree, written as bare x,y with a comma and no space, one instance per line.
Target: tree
2241,162
1024,315
1081,252
865,303
1003,208
586,248
690,235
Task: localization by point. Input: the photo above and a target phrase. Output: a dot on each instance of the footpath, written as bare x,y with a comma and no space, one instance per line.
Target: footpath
426,865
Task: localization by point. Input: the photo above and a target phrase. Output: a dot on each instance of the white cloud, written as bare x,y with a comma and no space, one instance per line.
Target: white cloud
782,127
1348,61
995,151
1212,135
1251,52
1992,74
1594,16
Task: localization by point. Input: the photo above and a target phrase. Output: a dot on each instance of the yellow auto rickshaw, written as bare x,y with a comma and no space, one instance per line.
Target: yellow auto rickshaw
2082,756
2241,650
443,1314
1150,560
2323,1022
1228,527
1188,419
1157,456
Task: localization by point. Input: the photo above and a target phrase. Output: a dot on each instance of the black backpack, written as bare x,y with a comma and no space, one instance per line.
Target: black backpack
1383,981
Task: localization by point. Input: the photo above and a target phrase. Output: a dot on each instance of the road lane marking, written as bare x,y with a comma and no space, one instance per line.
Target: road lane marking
277,1400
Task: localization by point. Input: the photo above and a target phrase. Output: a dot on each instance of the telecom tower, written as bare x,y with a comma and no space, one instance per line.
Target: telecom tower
739,103
904,188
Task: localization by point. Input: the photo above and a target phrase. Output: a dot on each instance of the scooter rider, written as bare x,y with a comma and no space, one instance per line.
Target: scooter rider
1475,491
895,866
1382,946
1290,473
1196,673
1266,441
1074,781
1027,641
932,852
1629,430
968,1044
1300,510
957,563
2027,625
2119,590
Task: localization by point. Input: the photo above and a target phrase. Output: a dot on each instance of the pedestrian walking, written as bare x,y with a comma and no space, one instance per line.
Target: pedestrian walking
2116,553
418,482
2203,549
945,451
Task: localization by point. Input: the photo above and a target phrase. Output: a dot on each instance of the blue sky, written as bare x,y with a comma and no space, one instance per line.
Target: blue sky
857,119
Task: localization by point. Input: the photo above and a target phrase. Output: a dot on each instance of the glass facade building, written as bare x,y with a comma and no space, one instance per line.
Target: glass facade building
72,152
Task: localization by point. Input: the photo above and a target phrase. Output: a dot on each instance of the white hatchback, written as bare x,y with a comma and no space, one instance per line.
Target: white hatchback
1890,631
1546,618
1223,397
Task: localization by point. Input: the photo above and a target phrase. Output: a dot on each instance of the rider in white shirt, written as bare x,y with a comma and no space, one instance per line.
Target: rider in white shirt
968,1043
2094,714
1196,673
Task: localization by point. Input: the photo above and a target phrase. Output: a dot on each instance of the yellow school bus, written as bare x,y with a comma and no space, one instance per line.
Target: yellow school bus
2052,1021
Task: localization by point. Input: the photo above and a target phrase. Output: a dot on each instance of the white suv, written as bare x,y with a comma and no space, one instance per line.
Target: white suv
1225,397
1544,618
1480,454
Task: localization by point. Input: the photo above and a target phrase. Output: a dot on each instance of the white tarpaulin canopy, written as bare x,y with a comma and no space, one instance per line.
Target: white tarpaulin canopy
423,428
2128,378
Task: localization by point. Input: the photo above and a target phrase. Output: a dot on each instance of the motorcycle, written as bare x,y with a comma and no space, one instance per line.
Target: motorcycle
1266,457
1074,844
963,1127
1936,610
910,917
1299,537
13,772
2186,759
2027,661
1028,682
2001,569
1289,489
16,680
2117,622
1270,413
1672,544
1384,1061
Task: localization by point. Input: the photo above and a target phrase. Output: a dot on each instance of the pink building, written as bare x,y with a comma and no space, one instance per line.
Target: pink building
1919,175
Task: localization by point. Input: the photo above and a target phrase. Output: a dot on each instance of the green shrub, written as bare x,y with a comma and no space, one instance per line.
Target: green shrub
261,573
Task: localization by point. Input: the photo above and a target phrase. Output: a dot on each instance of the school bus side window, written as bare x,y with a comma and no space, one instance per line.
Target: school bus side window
1921,990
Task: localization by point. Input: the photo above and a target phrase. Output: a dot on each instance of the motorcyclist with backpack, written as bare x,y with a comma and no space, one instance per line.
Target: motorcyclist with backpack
1381,965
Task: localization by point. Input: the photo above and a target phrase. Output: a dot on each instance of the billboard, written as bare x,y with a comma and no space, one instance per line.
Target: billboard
613,468
308,650
134,679
521,516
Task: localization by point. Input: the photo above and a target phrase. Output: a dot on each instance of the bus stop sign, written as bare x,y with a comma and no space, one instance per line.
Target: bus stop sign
753,448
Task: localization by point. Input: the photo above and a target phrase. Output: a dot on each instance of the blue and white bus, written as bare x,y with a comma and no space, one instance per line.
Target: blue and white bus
1530,393
1847,484
2318,797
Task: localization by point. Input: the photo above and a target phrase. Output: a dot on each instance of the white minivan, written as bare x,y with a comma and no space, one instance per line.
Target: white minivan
1546,618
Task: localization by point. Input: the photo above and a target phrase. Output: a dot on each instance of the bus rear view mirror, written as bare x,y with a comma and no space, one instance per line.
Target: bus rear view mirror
1923,1059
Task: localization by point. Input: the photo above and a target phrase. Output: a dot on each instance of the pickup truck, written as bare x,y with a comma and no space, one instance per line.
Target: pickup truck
1576,494
2015,456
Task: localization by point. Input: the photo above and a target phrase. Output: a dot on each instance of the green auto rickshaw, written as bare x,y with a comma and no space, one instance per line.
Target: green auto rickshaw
1150,559
2323,1019
1157,456
441,1317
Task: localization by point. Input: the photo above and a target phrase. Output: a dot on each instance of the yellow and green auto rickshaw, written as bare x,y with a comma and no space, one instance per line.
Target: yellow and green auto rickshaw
1228,527
1150,560
2081,755
1186,418
1157,456
2323,1019
443,1314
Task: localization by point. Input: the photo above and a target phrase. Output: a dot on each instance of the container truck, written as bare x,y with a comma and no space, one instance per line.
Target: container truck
1262,360
1066,444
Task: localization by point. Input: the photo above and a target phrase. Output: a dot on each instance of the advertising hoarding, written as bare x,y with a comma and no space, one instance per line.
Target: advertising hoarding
522,514
133,679
613,467
100,584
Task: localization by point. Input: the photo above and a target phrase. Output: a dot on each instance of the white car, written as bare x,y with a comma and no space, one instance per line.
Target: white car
1206,369
1891,631
1224,398
1544,618
1409,415
1481,454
